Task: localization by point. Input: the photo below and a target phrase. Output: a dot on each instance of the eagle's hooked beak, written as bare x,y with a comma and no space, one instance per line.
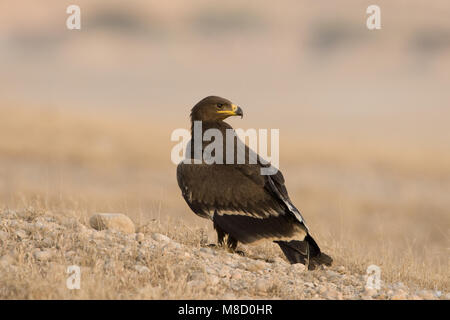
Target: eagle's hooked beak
235,111
238,111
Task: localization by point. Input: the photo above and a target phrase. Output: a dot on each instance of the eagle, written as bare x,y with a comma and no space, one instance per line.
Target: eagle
243,204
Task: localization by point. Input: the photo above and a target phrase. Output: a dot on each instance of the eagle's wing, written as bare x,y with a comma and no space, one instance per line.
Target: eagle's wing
243,202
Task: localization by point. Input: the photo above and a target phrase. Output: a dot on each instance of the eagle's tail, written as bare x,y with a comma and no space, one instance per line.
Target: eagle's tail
306,252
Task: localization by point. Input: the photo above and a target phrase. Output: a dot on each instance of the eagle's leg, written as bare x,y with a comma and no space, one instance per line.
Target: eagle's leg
220,235
232,243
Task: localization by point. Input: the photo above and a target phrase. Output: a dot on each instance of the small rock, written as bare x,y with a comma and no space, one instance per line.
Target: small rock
6,260
141,269
229,296
140,237
322,289
262,285
112,221
213,280
425,294
21,234
399,285
196,276
42,255
160,237
370,292
207,251
47,243
236,275
256,265
341,269
225,272
399,294
298,268
196,284
333,294
210,270
3,235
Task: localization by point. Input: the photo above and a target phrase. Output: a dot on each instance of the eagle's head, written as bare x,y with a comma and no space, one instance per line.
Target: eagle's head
214,108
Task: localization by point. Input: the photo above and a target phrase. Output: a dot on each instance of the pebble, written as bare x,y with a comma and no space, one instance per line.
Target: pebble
213,280
426,294
399,294
160,237
140,237
298,268
3,235
262,285
112,221
225,272
196,284
141,269
196,276
256,265
229,296
6,260
44,255
207,251
236,275
341,269
21,234
370,292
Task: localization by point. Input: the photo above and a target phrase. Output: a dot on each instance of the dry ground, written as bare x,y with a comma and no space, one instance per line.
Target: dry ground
368,200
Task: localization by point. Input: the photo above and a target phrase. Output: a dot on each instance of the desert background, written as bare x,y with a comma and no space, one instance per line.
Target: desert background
86,118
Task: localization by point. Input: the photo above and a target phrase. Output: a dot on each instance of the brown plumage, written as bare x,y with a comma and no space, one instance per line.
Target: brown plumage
244,205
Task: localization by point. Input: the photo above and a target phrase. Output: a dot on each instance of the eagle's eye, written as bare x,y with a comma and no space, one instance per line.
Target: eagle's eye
220,105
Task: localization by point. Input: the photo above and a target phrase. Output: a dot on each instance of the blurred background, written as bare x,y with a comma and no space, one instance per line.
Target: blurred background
86,115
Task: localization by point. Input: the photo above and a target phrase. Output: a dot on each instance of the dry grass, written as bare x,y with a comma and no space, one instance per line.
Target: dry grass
366,204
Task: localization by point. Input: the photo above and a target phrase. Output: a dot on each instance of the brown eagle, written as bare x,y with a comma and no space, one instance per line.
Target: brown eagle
243,204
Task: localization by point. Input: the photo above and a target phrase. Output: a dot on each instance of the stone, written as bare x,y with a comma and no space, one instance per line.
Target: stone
236,275
196,276
140,237
112,221
44,255
6,261
207,251
141,269
160,237
196,284
426,294
3,235
399,294
370,292
229,296
332,294
21,234
214,280
262,285
225,272
298,268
